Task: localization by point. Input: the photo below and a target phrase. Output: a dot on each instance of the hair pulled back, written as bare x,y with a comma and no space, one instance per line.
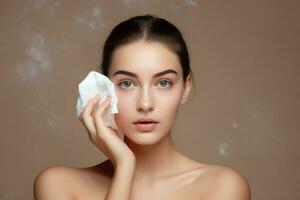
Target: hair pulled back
148,28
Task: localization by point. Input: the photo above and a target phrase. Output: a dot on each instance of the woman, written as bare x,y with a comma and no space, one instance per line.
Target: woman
147,60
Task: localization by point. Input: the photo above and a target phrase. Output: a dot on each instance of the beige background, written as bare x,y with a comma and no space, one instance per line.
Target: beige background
245,108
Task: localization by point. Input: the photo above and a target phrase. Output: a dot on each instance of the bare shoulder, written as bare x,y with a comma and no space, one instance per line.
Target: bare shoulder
53,182
225,183
72,182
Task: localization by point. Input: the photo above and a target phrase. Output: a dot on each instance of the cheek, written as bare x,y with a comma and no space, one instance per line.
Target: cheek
169,106
125,107
124,101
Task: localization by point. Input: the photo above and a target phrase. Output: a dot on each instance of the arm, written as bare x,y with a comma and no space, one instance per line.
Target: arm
111,144
120,188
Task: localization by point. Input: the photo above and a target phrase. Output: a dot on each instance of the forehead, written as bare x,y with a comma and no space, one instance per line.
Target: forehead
144,59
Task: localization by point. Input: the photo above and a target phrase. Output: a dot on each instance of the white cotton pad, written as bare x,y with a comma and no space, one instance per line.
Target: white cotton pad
98,84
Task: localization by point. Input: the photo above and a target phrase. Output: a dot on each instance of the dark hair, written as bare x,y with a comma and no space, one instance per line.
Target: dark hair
149,28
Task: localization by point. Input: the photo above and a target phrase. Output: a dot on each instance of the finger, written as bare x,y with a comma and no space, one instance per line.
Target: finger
81,120
90,105
114,131
102,107
87,117
99,124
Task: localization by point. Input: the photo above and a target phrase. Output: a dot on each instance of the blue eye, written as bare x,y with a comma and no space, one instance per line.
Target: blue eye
165,82
125,83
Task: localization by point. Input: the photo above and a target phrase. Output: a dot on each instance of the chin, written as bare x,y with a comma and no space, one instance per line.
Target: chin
144,138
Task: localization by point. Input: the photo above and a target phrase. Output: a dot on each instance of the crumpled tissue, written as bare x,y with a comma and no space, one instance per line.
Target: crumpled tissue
98,84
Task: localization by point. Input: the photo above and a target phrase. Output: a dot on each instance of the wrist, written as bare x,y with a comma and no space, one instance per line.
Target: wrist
127,165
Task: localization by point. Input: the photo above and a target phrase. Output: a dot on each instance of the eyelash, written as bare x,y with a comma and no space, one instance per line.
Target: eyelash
169,82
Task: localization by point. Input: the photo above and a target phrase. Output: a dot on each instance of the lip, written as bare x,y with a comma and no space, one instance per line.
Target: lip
145,127
145,120
145,124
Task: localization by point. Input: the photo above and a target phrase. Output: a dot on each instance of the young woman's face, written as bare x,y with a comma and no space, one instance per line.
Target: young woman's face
149,84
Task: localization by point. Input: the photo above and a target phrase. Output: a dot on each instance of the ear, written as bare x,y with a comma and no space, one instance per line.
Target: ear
187,88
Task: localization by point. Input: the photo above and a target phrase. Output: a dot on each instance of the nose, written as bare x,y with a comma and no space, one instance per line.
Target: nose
145,103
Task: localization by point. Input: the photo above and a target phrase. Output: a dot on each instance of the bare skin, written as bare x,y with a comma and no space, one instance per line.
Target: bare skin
199,181
145,165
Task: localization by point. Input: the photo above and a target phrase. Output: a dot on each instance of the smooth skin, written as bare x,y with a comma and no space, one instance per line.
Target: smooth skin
145,165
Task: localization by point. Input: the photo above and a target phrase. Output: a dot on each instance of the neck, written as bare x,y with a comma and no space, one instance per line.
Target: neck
155,160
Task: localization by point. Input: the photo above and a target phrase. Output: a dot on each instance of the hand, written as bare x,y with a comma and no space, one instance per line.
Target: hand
105,138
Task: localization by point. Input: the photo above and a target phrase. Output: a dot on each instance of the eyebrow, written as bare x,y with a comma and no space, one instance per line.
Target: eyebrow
168,71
